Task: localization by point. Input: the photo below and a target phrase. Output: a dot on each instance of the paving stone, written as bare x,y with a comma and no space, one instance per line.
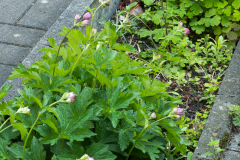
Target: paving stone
44,13
32,57
20,35
78,7
5,72
12,10
12,55
218,125
232,155
66,19
235,143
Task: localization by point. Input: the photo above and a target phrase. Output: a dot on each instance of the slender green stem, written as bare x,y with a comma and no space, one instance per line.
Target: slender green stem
25,143
60,46
55,103
5,128
4,122
145,127
95,81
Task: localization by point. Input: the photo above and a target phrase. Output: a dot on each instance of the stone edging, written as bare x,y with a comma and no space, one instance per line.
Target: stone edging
65,19
219,125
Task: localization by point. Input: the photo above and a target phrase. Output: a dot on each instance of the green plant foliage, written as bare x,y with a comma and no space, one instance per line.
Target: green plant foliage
111,114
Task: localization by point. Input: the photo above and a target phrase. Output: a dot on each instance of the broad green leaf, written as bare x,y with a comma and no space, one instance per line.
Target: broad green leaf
215,21
17,150
199,29
148,2
209,153
217,30
196,9
104,135
4,90
236,4
80,134
123,47
100,151
124,139
3,150
236,15
225,22
228,11
209,3
232,35
37,150
211,12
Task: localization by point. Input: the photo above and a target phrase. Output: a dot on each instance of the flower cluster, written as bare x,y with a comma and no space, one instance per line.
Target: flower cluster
178,112
86,17
184,30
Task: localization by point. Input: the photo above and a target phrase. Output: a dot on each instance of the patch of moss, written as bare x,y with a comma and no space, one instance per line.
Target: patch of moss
223,142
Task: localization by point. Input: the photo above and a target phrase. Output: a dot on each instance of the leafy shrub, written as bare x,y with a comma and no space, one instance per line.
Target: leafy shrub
118,112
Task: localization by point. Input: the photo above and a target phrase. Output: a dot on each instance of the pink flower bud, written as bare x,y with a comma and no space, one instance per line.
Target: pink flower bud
153,115
127,20
187,31
85,23
178,117
87,16
108,4
70,97
181,23
178,111
77,17
159,56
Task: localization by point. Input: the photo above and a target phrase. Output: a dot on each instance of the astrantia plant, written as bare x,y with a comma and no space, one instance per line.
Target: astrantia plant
89,100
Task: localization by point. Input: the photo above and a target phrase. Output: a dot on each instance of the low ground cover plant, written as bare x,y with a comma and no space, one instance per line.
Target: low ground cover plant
96,98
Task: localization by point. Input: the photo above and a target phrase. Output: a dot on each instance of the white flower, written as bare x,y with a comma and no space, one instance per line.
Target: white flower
24,110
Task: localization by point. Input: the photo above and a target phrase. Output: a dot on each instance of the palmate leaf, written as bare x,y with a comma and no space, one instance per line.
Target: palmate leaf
3,150
236,4
103,135
37,150
100,151
17,151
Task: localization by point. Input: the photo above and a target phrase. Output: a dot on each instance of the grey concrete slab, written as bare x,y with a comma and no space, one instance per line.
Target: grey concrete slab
66,19
20,35
78,7
235,143
12,10
5,71
232,155
218,125
33,56
44,13
12,55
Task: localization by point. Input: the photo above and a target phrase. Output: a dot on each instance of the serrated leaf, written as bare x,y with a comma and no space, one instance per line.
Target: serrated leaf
4,90
209,3
148,2
228,11
17,150
104,135
232,35
236,4
236,15
225,22
226,29
196,9
100,151
80,134
211,12
37,150
217,30
123,47
3,150
124,139
198,29
215,21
